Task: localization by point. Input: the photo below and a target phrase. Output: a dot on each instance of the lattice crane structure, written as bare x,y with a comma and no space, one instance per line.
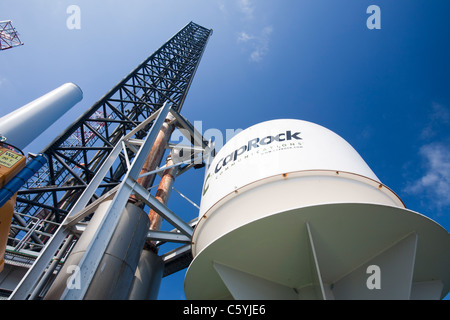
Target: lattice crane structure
9,37
98,158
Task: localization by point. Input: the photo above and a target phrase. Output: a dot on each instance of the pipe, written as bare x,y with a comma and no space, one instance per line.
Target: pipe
149,272
21,178
23,125
155,155
112,281
148,276
163,193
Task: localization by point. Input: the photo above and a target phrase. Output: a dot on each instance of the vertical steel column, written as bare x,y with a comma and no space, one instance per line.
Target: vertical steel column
90,264
78,152
78,167
150,269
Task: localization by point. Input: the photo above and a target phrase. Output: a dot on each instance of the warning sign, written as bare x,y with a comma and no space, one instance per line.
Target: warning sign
9,159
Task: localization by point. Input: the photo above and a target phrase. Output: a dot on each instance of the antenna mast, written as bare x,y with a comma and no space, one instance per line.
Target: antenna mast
9,37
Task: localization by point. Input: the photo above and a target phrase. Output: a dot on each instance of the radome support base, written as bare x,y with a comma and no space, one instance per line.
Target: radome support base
331,251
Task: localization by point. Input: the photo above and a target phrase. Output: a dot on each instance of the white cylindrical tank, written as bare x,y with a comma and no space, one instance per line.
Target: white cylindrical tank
268,191
23,125
278,165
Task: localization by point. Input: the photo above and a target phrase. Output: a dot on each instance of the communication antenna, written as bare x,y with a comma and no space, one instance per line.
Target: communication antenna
9,37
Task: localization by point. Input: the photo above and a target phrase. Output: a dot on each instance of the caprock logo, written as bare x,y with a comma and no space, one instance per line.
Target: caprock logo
242,151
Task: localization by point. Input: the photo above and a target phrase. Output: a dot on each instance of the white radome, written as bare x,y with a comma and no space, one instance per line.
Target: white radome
290,210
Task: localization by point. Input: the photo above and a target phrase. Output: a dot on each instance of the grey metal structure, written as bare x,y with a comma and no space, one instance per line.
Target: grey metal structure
103,165
9,37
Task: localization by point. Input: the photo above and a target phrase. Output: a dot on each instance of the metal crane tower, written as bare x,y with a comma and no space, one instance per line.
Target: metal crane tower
97,156
9,37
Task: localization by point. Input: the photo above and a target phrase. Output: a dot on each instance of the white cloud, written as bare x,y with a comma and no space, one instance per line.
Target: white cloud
259,45
255,42
222,7
433,186
256,55
439,116
244,37
3,80
246,8
435,182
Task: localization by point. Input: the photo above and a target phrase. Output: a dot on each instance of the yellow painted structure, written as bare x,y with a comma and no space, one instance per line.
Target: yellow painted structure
11,163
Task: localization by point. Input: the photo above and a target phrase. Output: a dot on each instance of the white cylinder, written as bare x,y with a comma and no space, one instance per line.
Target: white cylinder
114,278
23,125
290,210
276,147
278,165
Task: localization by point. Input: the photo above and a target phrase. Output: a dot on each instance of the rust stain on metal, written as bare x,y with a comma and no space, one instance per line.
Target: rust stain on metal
163,194
155,156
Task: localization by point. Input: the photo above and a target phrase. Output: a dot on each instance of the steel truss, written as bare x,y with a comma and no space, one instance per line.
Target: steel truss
36,278
77,154
9,37
92,160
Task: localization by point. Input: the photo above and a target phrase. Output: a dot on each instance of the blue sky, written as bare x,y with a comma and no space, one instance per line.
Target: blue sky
386,91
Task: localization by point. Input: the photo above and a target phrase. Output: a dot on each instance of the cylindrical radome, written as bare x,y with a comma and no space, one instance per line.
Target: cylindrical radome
278,165
23,125
290,210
